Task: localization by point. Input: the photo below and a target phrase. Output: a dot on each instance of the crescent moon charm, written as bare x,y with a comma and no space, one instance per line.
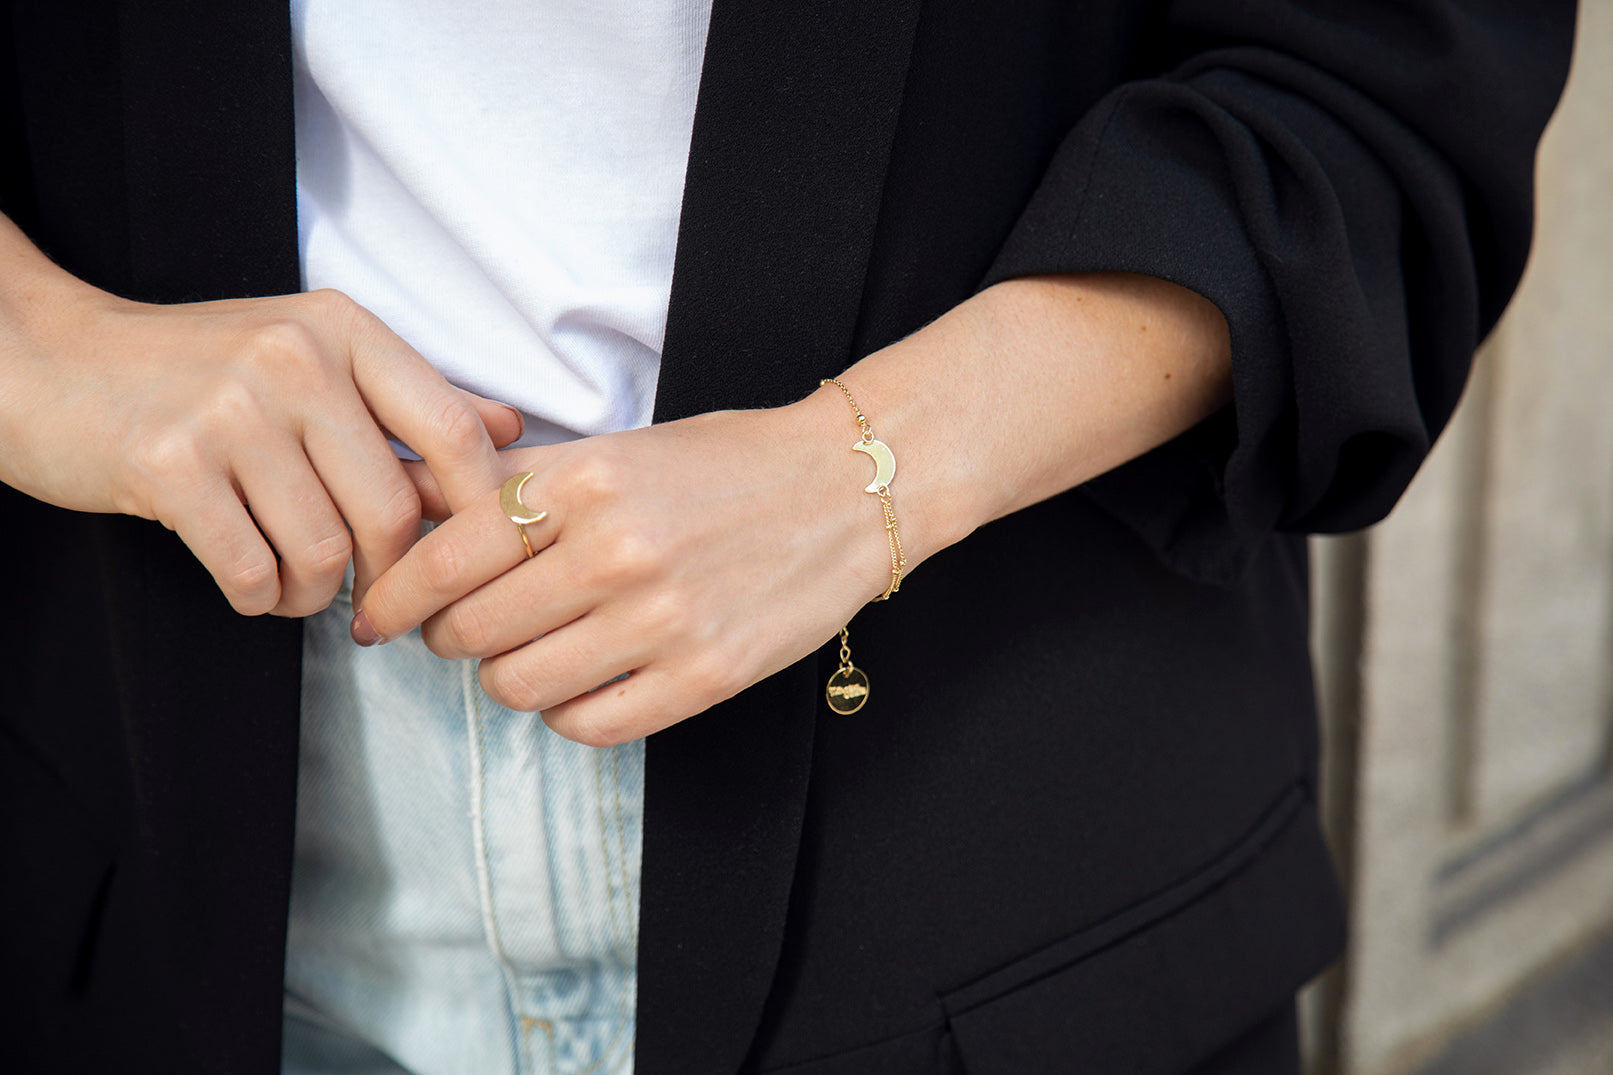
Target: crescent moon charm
884,463
509,502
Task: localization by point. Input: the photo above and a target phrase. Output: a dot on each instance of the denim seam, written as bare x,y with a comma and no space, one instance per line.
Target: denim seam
629,890
614,863
484,867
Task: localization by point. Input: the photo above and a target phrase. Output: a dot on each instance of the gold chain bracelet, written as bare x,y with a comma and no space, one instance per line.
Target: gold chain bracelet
847,689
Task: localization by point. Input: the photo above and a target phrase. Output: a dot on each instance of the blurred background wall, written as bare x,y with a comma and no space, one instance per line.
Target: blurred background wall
1465,657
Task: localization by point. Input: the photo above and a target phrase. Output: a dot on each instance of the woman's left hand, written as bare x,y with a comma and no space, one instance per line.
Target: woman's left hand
700,556
677,565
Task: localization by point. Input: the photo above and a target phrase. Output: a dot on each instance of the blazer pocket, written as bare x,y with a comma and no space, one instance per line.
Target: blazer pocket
1166,982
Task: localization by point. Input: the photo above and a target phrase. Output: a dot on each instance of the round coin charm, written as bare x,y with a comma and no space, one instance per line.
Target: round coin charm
847,690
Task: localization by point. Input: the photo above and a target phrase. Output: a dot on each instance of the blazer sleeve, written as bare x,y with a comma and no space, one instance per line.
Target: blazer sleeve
1351,183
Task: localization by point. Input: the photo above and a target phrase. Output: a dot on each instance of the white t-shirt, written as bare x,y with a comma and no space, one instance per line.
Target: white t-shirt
500,183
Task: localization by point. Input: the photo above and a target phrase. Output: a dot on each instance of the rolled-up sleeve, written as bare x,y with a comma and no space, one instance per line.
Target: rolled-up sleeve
1350,183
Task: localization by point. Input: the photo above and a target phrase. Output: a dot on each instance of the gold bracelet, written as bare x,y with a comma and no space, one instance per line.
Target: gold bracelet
884,474
847,689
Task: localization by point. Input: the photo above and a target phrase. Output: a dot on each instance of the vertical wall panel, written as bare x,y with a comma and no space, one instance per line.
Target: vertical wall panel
1465,652
1549,519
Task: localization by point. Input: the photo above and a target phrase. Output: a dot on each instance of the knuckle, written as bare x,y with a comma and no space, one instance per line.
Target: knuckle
166,458
710,679
326,557
666,615
441,565
398,519
508,685
235,407
342,313
401,512
285,348
332,302
252,585
595,732
626,557
456,426
305,605
466,630
595,476
433,633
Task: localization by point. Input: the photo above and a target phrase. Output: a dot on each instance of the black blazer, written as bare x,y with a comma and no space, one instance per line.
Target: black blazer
1075,828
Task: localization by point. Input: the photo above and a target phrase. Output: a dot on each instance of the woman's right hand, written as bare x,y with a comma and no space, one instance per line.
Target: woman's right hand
254,428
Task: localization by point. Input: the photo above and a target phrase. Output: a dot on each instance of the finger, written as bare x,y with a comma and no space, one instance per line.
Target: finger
504,424
470,549
412,400
370,489
513,609
216,527
571,661
294,511
646,701
433,504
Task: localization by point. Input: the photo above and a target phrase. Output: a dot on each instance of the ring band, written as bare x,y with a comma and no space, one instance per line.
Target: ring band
509,502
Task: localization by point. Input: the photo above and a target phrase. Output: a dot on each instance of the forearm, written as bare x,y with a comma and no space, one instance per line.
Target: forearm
27,275
1030,388
33,292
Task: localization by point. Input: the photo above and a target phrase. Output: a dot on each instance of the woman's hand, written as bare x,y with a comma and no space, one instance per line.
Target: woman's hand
698,557
253,428
695,558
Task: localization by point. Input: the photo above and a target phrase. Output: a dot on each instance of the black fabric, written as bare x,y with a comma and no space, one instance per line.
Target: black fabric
1270,1047
1350,216
786,160
1075,828
160,165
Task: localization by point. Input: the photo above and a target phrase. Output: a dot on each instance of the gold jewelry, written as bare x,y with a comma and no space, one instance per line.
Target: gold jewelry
884,474
509,502
847,689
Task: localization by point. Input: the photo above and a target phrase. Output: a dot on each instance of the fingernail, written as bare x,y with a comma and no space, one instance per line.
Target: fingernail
520,420
363,633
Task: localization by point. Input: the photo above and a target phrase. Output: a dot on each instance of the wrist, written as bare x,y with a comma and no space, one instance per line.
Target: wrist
944,487
824,430
38,298
884,461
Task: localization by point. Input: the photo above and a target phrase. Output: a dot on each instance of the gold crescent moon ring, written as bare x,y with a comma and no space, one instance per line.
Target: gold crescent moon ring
884,463
509,502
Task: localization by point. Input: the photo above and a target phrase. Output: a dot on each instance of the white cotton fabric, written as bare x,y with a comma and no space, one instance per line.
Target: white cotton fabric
500,183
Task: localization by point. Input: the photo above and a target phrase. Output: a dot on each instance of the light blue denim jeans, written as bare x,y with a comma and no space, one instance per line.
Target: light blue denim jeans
465,892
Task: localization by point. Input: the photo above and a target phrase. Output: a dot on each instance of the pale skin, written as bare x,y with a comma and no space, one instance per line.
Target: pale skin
695,557
700,556
253,428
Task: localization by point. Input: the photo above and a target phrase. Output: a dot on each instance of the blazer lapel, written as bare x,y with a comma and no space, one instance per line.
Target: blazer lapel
792,134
